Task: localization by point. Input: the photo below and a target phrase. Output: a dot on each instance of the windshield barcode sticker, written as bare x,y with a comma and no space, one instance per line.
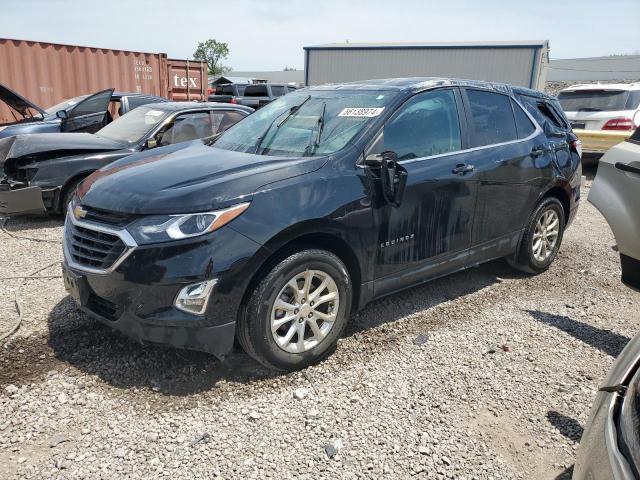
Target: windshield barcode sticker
361,112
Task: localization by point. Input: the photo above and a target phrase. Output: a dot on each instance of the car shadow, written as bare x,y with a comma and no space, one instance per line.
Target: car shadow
423,297
606,341
98,350
567,426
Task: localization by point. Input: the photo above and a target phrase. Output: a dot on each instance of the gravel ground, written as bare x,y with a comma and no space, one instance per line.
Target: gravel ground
484,374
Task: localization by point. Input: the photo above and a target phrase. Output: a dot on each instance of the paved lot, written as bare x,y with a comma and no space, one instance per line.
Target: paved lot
484,374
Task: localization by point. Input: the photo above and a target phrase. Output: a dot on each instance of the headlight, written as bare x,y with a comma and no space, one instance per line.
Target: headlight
164,228
630,422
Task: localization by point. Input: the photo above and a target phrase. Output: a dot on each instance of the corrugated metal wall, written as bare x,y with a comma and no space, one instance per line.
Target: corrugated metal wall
517,66
48,73
621,67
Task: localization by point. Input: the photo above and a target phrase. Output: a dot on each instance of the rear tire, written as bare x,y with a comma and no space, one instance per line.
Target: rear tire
297,312
542,238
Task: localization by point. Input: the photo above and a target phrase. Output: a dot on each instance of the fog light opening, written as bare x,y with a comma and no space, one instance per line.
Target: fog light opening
195,297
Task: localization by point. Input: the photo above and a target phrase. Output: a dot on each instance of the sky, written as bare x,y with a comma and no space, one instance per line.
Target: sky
271,34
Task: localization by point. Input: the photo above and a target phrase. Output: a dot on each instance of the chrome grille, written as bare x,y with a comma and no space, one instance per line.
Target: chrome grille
92,248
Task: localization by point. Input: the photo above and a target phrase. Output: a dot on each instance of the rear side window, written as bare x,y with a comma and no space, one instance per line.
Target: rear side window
491,118
543,112
277,90
425,125
256,91
524,125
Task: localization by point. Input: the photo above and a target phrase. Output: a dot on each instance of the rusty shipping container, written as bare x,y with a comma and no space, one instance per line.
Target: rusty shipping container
48,73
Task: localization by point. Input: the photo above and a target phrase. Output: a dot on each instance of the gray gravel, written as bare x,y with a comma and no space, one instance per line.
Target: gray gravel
483,374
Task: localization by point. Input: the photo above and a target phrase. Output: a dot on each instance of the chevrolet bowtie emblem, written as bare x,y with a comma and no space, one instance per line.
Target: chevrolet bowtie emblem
79,212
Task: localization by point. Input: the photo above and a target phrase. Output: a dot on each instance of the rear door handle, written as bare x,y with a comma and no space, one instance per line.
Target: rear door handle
462,168
536,152
628,168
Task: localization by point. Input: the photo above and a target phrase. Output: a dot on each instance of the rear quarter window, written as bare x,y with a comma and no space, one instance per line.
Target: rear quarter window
492,118
634,100
544,112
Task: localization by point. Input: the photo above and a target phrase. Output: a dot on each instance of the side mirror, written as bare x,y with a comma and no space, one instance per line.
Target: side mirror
62,114
393,176
151,143
374,160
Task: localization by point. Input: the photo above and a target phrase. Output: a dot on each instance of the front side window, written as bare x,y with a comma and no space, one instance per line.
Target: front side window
306,122
492,119
189,126
425,125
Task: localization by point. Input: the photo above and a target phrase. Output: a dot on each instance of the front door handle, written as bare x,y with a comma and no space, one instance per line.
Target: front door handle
462,168
628,168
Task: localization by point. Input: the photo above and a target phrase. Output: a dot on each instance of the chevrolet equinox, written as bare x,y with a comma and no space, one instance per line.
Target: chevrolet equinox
327,198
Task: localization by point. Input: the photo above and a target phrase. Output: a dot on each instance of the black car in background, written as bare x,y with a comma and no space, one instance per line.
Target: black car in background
86,113
315,205
260,94
227,92
40,172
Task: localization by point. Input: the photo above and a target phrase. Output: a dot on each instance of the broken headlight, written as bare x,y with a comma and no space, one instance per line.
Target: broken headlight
164,228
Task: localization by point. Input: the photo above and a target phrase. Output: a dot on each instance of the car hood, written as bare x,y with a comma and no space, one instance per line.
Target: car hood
18,104
45,146
186,178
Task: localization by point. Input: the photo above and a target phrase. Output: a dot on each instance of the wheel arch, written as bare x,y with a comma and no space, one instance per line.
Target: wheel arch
562,191
76,178
323,235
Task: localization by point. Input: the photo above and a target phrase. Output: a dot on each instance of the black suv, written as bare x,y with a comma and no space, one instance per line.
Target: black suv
315,205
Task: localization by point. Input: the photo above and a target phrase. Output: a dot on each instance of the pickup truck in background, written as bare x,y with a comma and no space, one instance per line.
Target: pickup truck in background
260,94
227,92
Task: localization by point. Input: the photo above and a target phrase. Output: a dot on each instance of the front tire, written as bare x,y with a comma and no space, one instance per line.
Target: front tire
542,237
297,312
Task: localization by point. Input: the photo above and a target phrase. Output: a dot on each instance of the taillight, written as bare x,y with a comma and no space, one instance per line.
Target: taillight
233,100
577,146
622,123
209,91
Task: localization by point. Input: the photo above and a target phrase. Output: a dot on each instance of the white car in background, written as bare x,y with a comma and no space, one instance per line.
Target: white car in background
613,107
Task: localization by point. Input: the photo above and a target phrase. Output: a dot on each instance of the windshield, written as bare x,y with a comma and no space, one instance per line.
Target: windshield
593,100
72,102
133,126
324,124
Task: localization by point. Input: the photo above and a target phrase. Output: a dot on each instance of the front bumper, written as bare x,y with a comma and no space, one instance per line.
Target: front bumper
137,296
21,200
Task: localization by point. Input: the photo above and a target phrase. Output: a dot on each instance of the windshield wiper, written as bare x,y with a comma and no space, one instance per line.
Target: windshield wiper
311,149
292,111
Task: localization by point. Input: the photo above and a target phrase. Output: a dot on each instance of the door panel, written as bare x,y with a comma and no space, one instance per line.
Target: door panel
509,156
90,115
435,218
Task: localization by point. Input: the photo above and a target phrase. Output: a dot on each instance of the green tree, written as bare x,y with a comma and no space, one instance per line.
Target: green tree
213,52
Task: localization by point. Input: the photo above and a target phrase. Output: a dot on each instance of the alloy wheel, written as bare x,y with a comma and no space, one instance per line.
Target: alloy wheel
545,236
304,311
